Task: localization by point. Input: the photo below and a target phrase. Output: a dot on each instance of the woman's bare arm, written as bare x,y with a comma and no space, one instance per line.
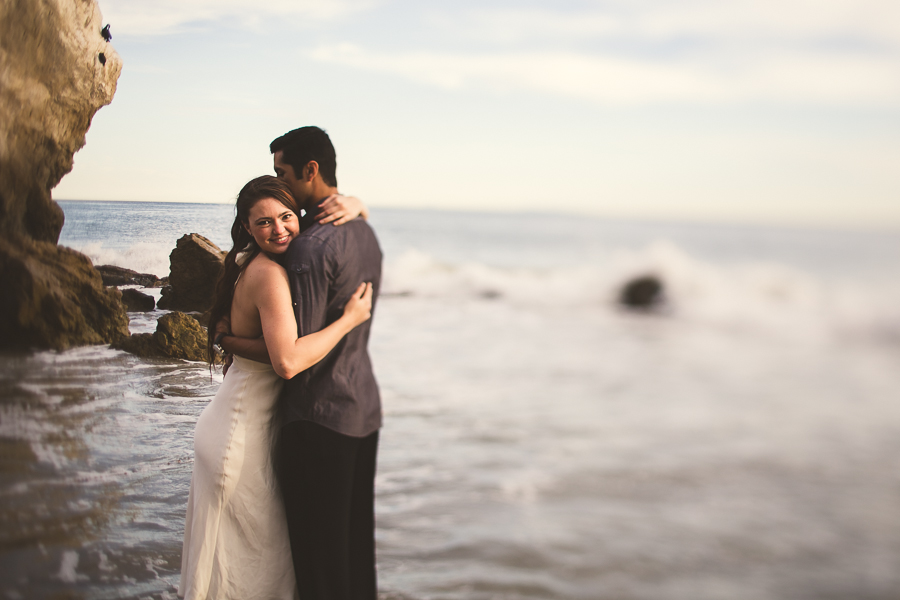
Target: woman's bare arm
254,349
288,353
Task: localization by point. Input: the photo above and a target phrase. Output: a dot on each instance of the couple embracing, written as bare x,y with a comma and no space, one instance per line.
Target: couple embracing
281,504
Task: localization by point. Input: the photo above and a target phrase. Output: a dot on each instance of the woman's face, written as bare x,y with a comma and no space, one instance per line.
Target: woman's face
272,225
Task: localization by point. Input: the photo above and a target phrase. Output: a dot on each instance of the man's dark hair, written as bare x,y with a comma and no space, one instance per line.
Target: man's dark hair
302,145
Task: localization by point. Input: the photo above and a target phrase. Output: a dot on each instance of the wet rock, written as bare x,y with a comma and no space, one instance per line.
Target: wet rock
136,301
51,85
195,265
113,275
53,298
642,292
177,336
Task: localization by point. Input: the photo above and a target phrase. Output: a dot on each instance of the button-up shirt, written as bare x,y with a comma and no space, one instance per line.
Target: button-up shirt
325,264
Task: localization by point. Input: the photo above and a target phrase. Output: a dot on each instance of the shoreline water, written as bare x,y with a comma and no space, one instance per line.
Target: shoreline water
717,222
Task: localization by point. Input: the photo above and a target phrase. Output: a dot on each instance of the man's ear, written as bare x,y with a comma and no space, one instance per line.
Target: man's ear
310,170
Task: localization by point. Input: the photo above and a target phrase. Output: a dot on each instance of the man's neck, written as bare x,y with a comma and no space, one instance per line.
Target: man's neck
319,193
311,209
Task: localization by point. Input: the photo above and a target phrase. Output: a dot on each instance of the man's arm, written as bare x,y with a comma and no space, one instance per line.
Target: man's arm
339,209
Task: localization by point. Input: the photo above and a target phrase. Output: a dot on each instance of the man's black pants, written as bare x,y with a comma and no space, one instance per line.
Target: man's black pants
328,483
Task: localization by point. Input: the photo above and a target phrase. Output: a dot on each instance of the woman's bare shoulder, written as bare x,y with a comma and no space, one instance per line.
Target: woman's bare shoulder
262,270
262,264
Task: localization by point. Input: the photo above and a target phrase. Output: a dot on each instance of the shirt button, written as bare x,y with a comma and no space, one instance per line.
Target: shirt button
295,304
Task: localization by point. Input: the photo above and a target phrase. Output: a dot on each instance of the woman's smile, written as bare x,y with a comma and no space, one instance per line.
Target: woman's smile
284,239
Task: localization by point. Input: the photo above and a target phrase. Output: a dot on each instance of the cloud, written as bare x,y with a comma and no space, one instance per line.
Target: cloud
653,20
164,17
761,19
807,78
618,52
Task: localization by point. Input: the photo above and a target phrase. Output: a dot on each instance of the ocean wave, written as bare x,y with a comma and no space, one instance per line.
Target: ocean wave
142,257
771,297
750,295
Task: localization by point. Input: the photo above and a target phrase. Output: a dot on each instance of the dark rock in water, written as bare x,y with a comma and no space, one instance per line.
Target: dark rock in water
140,344
113,275
181,336
161,282
53,298
136,301
642,292
195,265
177,336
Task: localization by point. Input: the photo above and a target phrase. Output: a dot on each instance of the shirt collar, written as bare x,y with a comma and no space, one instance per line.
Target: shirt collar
311,216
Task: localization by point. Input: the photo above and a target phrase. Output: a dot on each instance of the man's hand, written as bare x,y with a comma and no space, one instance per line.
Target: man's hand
339,209
224,326
226,363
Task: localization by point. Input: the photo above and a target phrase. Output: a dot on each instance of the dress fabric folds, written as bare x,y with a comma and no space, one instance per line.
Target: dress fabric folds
236,544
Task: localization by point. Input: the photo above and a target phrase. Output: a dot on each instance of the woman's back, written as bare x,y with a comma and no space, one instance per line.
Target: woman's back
261,276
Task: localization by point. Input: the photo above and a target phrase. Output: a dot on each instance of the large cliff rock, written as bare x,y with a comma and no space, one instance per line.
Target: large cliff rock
56,71
52,81
195,266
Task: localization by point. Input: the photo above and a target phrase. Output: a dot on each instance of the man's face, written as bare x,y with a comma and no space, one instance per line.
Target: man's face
301,189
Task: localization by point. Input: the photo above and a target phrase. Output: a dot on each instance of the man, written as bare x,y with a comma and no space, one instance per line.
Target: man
330,413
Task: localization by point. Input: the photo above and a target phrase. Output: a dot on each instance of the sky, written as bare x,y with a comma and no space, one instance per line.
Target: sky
783,112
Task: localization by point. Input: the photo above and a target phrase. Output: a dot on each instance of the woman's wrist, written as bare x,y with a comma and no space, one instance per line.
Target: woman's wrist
348,323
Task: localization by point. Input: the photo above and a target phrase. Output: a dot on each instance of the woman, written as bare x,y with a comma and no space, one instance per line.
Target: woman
235,540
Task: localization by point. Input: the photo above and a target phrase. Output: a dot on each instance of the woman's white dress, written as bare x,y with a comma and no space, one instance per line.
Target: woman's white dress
236,544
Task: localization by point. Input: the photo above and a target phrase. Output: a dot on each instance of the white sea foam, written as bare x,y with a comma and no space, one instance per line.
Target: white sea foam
67,566
141,257
762,296
748,295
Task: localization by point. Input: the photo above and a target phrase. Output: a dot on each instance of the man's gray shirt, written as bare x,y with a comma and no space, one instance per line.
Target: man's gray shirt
325,264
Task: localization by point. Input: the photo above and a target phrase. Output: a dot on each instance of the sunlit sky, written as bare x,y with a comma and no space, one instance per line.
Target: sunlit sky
767,111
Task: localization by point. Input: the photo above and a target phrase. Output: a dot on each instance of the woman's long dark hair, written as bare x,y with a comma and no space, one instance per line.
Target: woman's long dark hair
255,190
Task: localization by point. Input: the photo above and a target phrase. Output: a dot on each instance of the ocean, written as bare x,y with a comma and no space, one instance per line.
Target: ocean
540,440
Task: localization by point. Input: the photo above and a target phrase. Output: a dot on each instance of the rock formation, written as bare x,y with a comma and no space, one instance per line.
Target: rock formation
177,336
195,266
53,298
136,301
113,275
642,292
52,81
